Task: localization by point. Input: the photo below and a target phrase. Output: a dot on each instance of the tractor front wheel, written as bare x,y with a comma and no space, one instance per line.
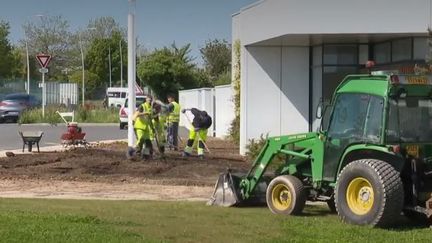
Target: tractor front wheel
286,195
369,192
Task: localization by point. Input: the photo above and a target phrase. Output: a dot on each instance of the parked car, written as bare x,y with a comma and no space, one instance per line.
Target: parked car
123,113
13,105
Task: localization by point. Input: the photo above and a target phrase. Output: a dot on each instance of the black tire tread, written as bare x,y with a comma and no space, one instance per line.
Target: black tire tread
393,190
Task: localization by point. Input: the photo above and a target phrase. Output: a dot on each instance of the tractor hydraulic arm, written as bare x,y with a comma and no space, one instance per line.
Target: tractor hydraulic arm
272,147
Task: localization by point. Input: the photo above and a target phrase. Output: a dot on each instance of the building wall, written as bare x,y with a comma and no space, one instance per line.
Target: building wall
275,88
274,18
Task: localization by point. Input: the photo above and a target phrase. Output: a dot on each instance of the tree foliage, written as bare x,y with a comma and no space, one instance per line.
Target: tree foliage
50,35
10,65
216,55
90,79
168,70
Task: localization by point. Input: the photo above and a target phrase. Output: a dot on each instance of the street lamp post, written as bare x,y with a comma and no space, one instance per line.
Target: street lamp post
121,64
131,71
82,63
83,71
109,63
28,66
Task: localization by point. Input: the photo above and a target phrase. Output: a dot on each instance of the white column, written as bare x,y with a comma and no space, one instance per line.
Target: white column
131,76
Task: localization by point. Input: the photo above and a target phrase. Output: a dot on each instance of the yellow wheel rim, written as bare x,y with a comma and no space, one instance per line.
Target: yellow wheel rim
281,197
360,196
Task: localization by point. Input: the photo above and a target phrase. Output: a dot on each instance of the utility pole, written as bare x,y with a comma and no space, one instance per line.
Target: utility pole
131,71
121,64
109,63
28,66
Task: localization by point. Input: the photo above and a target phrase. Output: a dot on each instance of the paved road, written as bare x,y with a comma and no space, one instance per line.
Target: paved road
10,139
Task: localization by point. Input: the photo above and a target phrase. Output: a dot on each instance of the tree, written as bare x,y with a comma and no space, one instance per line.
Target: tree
51,36
97,58
168,70
90,80
10,64
217,58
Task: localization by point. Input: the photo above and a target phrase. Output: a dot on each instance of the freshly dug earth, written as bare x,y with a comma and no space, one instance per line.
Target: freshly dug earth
107,163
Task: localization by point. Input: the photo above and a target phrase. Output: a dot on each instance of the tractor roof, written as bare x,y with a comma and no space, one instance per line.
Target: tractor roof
387,84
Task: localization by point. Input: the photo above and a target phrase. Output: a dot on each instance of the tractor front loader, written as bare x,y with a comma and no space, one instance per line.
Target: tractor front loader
371,163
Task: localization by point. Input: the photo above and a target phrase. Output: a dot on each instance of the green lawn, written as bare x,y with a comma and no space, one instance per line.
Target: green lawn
23,220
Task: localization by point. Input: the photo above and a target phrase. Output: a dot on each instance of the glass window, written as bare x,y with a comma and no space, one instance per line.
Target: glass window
401,50
332,77
317,56
340,54
410,120
420,48
363,54
382,53
357,117
374,120
349,116
114,94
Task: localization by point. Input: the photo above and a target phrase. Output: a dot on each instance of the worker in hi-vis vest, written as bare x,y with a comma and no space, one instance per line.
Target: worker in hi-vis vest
143,119
198,132
173,122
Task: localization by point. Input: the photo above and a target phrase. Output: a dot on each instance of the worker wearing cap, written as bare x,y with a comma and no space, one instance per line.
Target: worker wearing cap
142,119
173,122
198,132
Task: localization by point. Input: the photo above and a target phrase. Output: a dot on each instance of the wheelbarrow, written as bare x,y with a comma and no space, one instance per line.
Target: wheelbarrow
31,138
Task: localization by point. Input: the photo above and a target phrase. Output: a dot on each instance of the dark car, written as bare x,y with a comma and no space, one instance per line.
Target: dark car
14,104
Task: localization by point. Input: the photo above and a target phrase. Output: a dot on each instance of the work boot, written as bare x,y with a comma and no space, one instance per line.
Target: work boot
131,153
185,154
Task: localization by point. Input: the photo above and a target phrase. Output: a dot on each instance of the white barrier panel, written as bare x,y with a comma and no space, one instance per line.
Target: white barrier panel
216,101
224,107
62,93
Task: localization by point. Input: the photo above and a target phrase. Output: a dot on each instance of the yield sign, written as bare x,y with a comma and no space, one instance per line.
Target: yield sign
43,59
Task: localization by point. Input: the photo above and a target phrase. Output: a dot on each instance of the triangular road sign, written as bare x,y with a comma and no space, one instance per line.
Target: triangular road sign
43,59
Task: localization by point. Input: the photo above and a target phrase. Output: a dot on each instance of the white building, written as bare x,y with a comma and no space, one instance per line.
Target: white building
293,52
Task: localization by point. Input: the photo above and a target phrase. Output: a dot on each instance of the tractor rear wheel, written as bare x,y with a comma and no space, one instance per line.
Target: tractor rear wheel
369,192
286,195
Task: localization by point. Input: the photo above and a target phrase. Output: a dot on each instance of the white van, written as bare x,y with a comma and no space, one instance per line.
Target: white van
116,96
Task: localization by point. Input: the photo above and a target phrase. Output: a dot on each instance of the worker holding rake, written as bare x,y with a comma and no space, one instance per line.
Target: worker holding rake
198,132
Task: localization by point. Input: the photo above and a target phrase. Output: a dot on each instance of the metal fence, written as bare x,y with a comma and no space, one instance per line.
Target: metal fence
56,92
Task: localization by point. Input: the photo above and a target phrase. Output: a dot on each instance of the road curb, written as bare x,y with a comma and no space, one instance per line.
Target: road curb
55,148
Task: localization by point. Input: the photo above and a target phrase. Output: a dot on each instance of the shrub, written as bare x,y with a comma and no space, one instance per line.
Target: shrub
254,147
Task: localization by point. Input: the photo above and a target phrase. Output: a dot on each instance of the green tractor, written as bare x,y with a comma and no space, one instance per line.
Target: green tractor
370,162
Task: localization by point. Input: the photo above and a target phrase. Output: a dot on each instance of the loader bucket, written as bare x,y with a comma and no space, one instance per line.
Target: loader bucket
225,193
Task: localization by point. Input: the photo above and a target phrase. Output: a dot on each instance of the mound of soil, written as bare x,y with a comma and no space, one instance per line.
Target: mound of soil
108,163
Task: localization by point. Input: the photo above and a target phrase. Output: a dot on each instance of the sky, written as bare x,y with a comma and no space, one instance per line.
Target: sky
158,22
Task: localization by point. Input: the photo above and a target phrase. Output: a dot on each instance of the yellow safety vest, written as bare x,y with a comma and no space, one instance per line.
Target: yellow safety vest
143,121
174,116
